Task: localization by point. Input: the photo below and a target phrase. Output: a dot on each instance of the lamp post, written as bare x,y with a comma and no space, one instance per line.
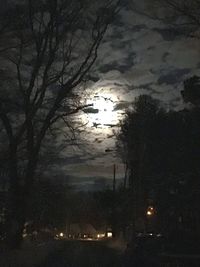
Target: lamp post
114,197
150,213
114,170
114,178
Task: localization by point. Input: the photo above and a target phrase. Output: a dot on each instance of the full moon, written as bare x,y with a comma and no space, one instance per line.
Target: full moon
103,113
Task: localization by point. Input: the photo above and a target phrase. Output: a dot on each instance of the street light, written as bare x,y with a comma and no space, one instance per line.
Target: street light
150,219
108,150
150,211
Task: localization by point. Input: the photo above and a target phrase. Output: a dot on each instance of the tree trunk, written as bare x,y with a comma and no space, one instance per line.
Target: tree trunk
15,231
20,189
16,219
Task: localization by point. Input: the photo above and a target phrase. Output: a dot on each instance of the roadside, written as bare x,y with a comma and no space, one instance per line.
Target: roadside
62,253
30,254
84,254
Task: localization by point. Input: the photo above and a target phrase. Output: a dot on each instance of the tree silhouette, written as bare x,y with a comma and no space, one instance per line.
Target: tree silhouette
47,49
138,140
191,92
162,152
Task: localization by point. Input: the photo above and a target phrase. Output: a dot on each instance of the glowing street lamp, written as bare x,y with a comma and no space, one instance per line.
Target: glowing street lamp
150,211
61,235
109,234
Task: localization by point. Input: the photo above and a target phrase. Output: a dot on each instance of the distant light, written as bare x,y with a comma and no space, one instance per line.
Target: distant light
24,235
61,234
109,234
139,234
100,235
150,211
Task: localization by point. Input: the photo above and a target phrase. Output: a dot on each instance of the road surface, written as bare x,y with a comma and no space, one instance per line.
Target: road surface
83,254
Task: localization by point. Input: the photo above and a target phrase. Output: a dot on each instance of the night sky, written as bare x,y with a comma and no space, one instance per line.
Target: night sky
138,56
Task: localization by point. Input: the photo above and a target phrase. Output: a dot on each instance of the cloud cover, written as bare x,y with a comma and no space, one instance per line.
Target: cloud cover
138,56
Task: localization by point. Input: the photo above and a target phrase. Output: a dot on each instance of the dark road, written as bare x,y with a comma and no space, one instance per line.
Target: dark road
83,254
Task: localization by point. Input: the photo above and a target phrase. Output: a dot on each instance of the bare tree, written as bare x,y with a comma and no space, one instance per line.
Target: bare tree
47,49
182,11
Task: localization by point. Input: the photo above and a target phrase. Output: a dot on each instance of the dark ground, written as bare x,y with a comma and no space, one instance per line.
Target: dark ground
75,253
83,254
99,254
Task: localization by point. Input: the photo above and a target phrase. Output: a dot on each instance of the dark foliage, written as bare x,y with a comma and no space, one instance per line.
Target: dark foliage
161,150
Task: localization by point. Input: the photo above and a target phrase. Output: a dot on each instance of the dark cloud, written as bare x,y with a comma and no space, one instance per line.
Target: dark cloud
113,66
118,84
138,28
118,21
92,183
65,160
173,76
151,48
198,65
116,35
93,78
97,140
170,34
129,60
122,66
107,67
121,105
110,135
91,110
165,55
146,86
68,160
120,44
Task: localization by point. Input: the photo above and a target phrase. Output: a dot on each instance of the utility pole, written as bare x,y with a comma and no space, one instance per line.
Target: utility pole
114,202
114,178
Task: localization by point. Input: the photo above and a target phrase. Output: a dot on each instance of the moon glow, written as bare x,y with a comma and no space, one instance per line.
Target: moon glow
103,114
